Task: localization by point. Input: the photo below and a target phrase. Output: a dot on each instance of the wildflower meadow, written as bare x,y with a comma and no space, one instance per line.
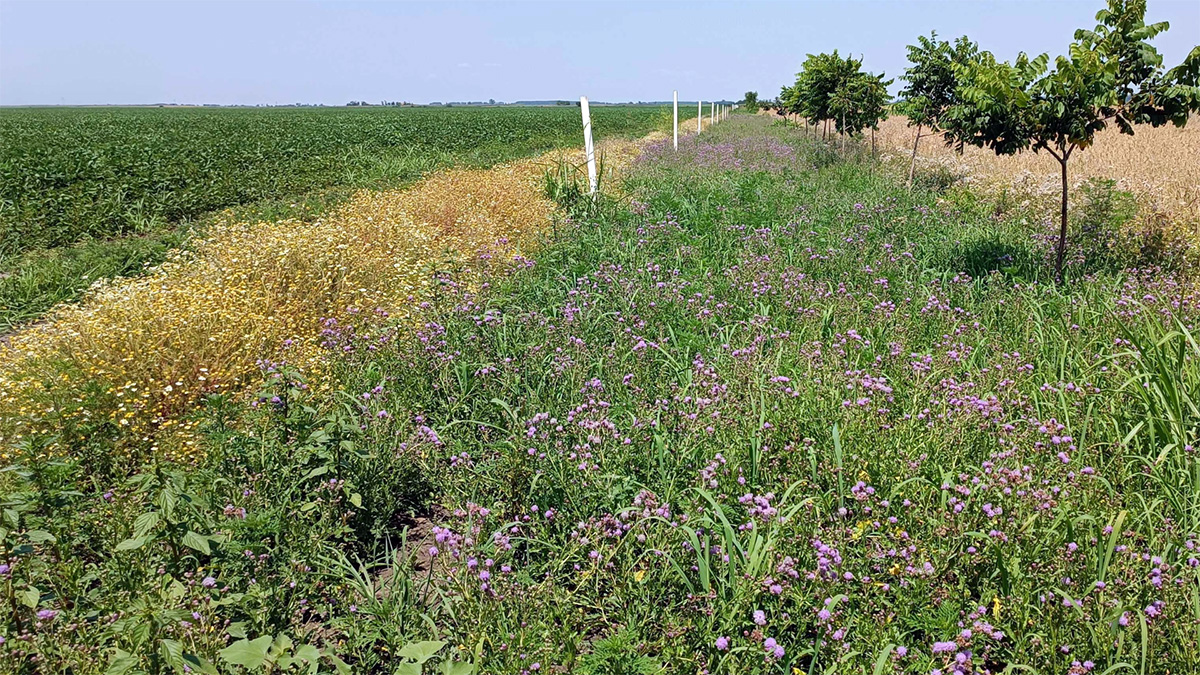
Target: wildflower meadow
757,408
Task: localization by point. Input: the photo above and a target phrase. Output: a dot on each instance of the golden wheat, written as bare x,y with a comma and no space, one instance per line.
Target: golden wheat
1161,165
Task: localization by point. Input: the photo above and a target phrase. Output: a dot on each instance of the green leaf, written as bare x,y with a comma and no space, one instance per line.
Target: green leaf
308,653
408,668
306,657
421,651
172,653
319,471
338,664
200,664
249,653
457,668
282,645
131,544
236,629
356,499
145,523
198,542
39,536
122,662
30,597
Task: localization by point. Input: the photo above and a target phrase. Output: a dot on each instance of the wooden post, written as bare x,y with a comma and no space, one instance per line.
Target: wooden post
699,115
589,149
675,124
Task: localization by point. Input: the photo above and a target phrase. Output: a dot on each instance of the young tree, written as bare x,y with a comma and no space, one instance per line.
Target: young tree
1109,74
750,101
932,86
860,103
818,82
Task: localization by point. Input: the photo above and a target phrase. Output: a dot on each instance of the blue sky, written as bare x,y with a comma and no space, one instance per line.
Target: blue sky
332,52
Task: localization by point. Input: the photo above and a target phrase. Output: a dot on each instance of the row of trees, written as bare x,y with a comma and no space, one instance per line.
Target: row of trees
835,90
1111,74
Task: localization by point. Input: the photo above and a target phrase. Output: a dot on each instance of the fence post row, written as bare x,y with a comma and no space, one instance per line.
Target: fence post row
589,149
675,124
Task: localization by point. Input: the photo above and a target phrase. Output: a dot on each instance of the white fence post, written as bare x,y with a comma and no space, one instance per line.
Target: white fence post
675,126
712,112
589,149
699,114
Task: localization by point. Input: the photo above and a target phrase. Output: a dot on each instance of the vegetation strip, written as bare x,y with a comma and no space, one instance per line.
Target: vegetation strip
773,412
90,193
125,366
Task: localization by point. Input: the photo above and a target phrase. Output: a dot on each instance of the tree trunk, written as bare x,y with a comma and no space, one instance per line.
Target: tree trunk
843,134
1062,229
912,165
872,142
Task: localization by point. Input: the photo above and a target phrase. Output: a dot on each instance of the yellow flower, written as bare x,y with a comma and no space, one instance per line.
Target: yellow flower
198,323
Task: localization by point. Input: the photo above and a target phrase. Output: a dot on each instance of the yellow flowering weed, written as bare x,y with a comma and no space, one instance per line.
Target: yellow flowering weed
125,364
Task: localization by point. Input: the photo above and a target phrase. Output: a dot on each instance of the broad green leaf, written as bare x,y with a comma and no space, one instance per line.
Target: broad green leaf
457,668
122,662
319,471
200,664
236,629
198,542
421,651
39,536
131,544
408,668
306,657
282,645
30,597
172,653
356,499
145,523
249,653
338,664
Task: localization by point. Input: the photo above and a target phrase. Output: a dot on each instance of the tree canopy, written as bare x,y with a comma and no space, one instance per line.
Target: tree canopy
832,88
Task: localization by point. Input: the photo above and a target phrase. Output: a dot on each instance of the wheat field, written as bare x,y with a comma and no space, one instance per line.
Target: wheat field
1162,164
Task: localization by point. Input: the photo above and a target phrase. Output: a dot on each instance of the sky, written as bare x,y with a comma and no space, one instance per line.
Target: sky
275,52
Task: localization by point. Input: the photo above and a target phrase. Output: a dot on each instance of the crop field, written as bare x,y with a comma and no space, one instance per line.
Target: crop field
67,174
1159,165
88,193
